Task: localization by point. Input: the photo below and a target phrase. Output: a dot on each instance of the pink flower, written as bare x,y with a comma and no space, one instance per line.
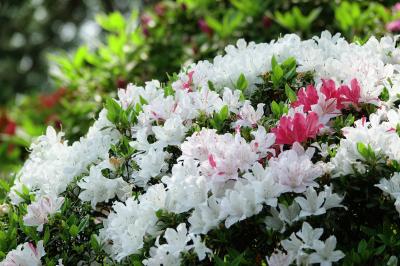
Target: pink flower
220,157
187,85
160,9
393,26
39,211
306,97
350,95
25,254
297,129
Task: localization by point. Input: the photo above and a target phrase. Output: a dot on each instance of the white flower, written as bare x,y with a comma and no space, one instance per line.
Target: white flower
206,101
25,254
275,222
286,215
231,98
324,148
307,239
391,186
278,258
53,164
159,256
172,132
378,133
97,188
129,222
262,142
199,247
185,191
312,204
303,239
332,200
294,169
151,163
220,156
133,94
141,142
308,235
159,109
176,239
176,243
205,217
238,204
248,117
266,189
397,205
40,210
325,252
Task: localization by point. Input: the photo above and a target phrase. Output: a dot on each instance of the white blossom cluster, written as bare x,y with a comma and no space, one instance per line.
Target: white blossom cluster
219,179
298,248
328,56
379,133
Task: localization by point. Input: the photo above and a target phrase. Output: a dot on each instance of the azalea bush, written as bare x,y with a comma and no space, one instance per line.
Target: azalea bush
160,39
280,153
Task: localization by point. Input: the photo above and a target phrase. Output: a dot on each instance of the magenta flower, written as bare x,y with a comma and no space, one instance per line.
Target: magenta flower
297,129
306,98
350,95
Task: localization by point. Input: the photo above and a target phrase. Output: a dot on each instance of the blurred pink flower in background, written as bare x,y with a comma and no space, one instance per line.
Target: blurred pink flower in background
393,26
204,27
267,22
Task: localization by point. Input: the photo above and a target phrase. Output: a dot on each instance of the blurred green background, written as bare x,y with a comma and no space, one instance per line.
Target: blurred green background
60,59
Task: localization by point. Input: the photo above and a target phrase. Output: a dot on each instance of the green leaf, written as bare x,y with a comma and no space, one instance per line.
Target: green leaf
168,90
83,223
362,246
274,63
237,261
220,262
74,230
224,113
113,110
46,235
143,101
4,184
275,108
384,95
362,149
94,243
113,22
379,250
241,83
290,93
211,85
277,72
214,24
80,56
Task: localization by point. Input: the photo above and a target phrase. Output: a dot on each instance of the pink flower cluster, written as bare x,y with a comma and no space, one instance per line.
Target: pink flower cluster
314,108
